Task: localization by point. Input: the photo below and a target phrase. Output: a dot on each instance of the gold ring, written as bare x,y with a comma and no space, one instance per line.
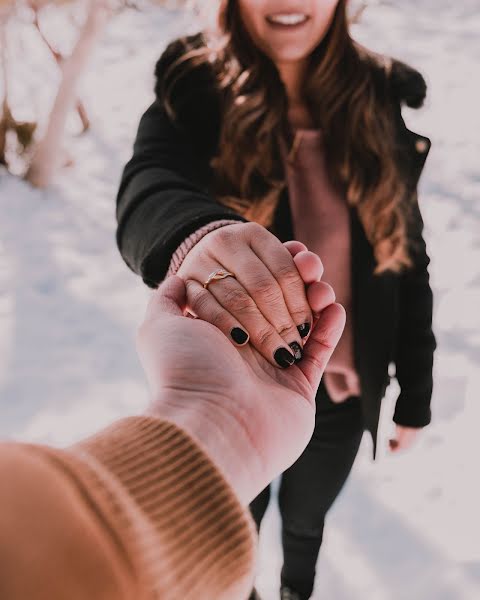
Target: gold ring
216,276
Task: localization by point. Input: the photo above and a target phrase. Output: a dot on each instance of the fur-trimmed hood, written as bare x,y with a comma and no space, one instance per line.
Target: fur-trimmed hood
407,84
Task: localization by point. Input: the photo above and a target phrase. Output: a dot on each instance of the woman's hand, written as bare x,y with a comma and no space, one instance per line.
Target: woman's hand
266,303
404,439
252,418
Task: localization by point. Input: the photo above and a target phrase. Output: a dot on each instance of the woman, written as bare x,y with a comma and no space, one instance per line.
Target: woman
277,125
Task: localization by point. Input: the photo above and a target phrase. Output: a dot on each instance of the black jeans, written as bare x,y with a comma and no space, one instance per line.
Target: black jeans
311,485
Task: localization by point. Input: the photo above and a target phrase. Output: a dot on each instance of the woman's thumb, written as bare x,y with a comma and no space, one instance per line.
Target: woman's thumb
323,340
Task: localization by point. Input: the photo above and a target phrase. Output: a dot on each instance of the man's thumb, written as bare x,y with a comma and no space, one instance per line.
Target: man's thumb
322,342
169,298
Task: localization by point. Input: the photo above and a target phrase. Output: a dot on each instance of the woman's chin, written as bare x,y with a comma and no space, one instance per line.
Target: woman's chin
289,55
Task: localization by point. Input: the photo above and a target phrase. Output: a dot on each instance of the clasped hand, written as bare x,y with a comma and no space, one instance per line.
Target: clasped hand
252,418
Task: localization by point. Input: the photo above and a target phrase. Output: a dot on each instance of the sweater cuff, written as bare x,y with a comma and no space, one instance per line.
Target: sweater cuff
179,514
193,239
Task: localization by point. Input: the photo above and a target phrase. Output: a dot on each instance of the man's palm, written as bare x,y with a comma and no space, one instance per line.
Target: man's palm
239,381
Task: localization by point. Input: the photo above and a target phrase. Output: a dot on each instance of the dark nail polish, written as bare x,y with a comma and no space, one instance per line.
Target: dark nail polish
304,329
239,336
297,351
283,358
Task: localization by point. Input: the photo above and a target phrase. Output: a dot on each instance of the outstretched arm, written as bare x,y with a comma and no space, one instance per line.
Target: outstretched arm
152,507
137,511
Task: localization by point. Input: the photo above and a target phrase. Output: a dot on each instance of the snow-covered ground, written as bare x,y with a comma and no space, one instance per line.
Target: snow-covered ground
404,528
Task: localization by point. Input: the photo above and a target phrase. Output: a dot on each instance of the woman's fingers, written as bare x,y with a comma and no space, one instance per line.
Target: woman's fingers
320,295
322,342
267,288
279,262
404,438
309,266
228,306
205,307
294,247
308,263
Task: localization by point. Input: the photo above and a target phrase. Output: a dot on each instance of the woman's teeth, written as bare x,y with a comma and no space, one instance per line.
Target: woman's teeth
287,19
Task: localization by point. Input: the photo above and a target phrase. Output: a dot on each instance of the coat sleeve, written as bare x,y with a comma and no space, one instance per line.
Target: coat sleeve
415,345
164,193
415,342
163,197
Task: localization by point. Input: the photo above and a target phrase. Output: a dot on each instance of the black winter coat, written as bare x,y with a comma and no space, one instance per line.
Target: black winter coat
165,196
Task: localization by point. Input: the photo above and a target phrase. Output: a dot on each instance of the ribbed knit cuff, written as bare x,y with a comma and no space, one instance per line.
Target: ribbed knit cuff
193,239
188,530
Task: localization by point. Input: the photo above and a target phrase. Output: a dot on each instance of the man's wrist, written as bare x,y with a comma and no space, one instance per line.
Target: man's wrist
218,433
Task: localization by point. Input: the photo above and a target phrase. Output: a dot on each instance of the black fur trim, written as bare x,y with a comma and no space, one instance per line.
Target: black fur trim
172,52
407,84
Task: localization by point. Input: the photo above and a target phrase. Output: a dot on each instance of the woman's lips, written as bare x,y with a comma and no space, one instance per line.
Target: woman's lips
286,26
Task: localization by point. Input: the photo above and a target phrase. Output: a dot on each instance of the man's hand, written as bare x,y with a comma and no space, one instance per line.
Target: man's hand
253,419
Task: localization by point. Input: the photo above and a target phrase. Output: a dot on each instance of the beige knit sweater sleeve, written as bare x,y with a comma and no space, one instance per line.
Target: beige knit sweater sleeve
136,512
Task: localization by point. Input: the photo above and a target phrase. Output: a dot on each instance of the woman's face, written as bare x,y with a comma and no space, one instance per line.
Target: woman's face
287,30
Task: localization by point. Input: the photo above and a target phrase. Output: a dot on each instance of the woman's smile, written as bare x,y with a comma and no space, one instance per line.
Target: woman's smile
287,21
287,31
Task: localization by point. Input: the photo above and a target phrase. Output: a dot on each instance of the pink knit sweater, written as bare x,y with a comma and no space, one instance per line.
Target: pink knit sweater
321,221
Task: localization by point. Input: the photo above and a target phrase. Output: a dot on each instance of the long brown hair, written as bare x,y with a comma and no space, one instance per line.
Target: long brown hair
346,91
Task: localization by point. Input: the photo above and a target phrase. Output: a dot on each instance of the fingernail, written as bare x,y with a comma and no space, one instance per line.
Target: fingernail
304,329
239,336
283,358
297,351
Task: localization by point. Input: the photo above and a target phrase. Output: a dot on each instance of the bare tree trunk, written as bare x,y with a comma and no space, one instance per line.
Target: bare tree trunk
47,156
59,58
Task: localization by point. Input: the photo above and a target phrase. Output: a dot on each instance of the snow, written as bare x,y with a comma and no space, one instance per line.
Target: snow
404,528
